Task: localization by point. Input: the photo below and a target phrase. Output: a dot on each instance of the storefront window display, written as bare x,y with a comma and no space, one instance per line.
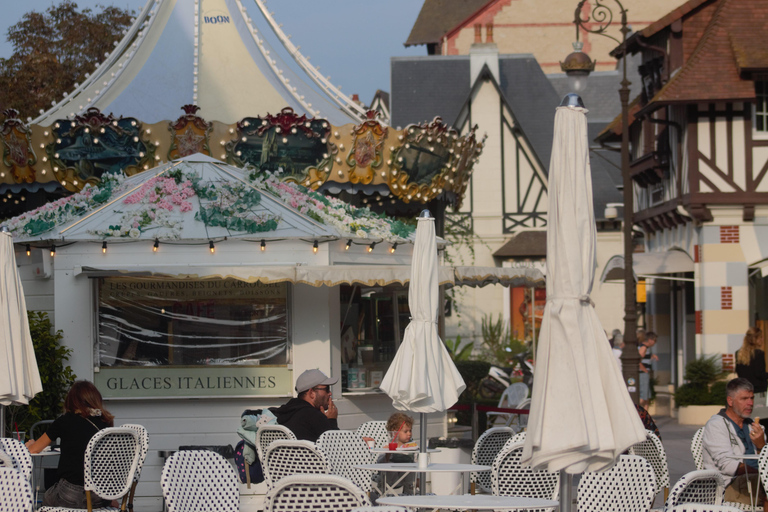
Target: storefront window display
373,323
188,322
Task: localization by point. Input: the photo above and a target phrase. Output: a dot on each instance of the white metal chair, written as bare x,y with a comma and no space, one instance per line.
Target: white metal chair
627,487
510,478
111,458
268,433
143,449
520,421
376,430
701,487
15,491
697,447
195,480
487,447
510,398
311,493
703,507
19,455
287,458
344,450
653,451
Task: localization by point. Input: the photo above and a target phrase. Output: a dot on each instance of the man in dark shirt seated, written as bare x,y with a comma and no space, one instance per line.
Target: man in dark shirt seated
313,411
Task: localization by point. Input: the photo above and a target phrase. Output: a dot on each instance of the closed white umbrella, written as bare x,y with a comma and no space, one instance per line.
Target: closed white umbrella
422,378
19,376
581,415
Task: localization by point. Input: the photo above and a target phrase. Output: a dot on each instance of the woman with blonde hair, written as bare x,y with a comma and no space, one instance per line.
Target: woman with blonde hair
750,360
84,415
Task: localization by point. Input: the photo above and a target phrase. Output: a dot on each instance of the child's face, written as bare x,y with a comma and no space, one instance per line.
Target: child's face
405,435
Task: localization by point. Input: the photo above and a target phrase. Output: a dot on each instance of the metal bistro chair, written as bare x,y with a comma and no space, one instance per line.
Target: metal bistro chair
627,487
111,458
15,491
21,459
143,449
197,480
487,447
376,430
653,451
311,493
696,448
520,421
288,458
510,478
700,487
344,450
512,397
268,433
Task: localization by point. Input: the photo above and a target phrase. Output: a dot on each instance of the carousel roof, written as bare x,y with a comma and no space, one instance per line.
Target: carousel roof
201,198
206,53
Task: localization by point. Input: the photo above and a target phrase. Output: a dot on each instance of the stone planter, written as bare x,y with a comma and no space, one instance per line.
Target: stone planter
696,414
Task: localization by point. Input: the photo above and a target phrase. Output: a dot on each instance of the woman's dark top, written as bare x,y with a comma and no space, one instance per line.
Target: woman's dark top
75,432
754,372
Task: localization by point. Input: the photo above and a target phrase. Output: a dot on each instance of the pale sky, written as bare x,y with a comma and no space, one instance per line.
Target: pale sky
351,40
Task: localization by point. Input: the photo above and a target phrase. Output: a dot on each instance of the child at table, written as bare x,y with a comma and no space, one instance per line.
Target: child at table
403,425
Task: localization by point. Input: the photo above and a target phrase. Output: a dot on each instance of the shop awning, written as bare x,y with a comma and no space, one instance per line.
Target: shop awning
333,275
649,265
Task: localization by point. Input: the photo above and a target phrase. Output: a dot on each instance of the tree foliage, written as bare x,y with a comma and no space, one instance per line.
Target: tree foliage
53,51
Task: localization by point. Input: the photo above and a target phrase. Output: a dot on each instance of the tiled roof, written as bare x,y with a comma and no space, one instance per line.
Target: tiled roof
438,17
735,39
673,16
524,243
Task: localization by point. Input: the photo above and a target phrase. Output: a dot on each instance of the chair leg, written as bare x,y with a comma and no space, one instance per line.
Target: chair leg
88,501
666,494
130,496
472,488
248,474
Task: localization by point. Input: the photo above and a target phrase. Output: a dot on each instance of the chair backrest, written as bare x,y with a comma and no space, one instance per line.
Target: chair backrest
487,447
194,480
19,454
111,458
15,491
696,448
521,420
310,493
702,507
375,429
344,450
268,433
629,486
653,451
143,447
701,486
288,458
513,395
510,478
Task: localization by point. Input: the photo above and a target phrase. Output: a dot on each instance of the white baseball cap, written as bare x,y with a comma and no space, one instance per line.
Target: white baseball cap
312,378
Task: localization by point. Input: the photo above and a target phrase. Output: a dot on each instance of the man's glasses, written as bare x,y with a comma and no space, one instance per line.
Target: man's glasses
327,389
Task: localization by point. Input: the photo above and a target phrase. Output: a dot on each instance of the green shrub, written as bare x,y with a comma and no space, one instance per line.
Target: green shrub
473,373
703,371
55,376
703,387
690,394
459,353
717,393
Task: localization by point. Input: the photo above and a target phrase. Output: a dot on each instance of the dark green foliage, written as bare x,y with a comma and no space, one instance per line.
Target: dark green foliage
55,376
459,353
473,372
702,387
499,347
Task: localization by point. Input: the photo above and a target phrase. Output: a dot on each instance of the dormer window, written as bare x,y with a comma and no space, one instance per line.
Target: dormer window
761,105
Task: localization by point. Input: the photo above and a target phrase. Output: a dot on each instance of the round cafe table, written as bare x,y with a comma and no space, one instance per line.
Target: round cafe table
468,502
413,467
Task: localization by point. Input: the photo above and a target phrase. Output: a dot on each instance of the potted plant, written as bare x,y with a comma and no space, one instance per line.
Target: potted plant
703,395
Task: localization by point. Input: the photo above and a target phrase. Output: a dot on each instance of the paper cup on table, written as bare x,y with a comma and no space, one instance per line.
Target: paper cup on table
423,460
371,443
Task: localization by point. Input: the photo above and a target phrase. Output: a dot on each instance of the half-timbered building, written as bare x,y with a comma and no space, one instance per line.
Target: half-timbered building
699,138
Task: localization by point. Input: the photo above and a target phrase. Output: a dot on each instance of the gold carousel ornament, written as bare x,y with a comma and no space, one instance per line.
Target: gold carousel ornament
366,154
18,155
189,134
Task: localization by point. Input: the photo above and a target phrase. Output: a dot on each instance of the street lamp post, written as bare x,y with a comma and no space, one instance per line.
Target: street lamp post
578,65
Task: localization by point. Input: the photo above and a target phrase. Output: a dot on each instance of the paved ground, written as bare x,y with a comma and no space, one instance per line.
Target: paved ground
677,442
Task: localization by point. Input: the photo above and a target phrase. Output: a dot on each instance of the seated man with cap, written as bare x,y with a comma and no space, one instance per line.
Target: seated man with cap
313,411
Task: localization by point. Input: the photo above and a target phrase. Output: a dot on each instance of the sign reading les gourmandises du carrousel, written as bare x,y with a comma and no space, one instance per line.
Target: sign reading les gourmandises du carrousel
161,382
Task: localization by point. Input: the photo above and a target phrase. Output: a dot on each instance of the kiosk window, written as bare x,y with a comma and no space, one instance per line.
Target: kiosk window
188,322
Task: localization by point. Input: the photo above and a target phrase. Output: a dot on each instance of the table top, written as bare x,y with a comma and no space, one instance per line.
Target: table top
413,467
745,456
406,452
468,501
46,453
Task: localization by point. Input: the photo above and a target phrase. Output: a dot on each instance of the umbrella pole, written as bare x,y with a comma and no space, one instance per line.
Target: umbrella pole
423,450
566,491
